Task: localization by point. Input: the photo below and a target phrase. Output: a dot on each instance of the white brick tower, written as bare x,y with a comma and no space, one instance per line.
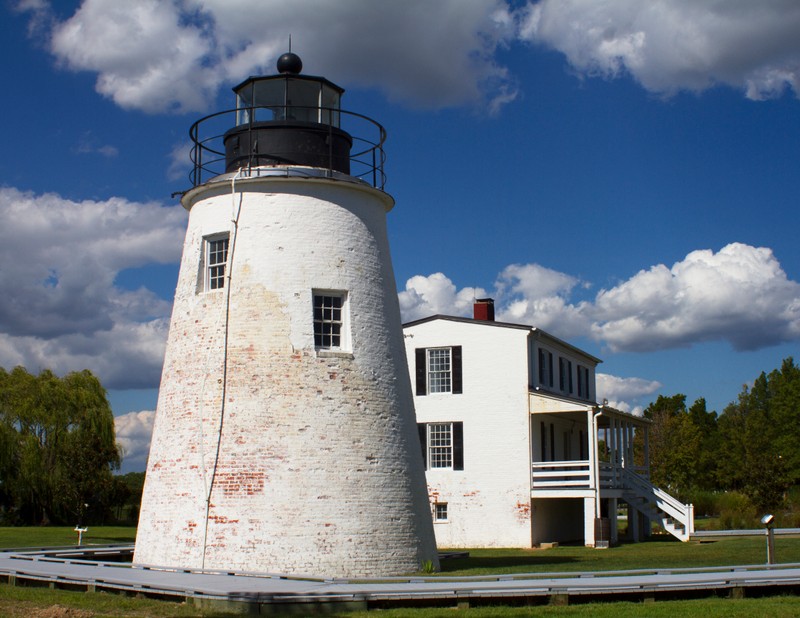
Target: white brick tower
285,437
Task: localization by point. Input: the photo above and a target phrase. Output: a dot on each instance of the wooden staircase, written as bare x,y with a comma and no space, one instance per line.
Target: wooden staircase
657,505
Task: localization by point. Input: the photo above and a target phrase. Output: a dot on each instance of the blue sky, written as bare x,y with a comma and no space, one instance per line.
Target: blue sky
621,174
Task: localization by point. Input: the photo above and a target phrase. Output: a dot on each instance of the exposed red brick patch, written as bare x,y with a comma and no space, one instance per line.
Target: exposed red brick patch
248,482
221,519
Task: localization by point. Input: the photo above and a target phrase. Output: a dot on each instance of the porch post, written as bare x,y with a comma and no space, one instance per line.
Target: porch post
633,444
613,504
628,443
614,452
591,434
591,506
633,524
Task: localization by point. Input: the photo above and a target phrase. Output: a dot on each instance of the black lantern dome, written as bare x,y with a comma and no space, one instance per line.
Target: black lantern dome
288,119
290,63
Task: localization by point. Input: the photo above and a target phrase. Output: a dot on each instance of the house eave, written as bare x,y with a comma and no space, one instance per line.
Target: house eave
573,404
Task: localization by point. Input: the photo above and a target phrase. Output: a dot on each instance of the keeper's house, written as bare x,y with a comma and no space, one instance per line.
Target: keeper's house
517,450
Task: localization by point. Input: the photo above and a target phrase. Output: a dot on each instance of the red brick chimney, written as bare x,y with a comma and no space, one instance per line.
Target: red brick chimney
483,309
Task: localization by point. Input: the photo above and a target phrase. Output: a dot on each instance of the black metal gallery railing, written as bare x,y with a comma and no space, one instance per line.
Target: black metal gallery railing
220,145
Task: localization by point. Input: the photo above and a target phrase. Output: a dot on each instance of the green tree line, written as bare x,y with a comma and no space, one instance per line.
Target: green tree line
752,448
58,450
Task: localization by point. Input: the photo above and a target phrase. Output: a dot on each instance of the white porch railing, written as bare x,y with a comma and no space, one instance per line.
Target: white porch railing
574,474
561,475
656,504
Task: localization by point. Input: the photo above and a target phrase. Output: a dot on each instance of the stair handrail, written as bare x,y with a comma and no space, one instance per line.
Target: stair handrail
670,505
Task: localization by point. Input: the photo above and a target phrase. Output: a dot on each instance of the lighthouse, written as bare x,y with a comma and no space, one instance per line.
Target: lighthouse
284,438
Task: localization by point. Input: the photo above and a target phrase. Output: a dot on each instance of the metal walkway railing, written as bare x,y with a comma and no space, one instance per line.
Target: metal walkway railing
269,589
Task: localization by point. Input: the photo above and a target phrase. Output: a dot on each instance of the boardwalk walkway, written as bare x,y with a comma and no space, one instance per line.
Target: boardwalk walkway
94,570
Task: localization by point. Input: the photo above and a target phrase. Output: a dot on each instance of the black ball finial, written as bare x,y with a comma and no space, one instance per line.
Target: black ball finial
290,63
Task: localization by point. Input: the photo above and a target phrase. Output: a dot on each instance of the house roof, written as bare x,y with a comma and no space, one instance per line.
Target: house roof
536,331
453,318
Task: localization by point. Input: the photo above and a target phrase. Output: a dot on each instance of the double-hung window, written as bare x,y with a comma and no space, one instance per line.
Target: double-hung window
438,370
330,323
215,256
442,445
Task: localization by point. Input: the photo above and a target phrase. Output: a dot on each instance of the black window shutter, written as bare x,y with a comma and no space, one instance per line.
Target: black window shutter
541,367
422,372
422,429
458,387
458,446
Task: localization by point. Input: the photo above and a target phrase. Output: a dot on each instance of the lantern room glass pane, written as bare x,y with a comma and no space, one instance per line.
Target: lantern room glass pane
288,98
331,100
303,100
244,101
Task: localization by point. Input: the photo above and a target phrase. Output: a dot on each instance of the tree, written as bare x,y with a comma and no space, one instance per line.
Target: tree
129,496
674,442
760,437
707,454
61,449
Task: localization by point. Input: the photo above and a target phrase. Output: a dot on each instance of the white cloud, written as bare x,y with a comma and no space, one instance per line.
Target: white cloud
147,55
133,431
671,45
159,55
533,294
625,393
88,145
180,161
740,295
434,294
66,311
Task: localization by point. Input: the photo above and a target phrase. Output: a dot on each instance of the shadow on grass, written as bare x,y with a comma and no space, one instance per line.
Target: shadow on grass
111,538
501,564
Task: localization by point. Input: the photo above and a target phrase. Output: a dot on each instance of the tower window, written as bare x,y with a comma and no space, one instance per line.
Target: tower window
216,259
440,511
329,320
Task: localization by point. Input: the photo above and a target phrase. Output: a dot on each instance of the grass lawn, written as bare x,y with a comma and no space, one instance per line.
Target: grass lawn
658,553
41,536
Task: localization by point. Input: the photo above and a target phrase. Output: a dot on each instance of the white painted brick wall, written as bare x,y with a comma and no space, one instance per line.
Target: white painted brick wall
319,469
489,501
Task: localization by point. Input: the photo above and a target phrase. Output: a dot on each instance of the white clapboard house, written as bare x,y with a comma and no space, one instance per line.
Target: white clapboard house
517,450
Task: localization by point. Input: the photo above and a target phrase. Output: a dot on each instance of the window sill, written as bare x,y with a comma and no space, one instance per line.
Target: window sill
334,354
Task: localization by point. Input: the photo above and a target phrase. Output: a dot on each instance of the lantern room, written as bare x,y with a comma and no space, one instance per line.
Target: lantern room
288,119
